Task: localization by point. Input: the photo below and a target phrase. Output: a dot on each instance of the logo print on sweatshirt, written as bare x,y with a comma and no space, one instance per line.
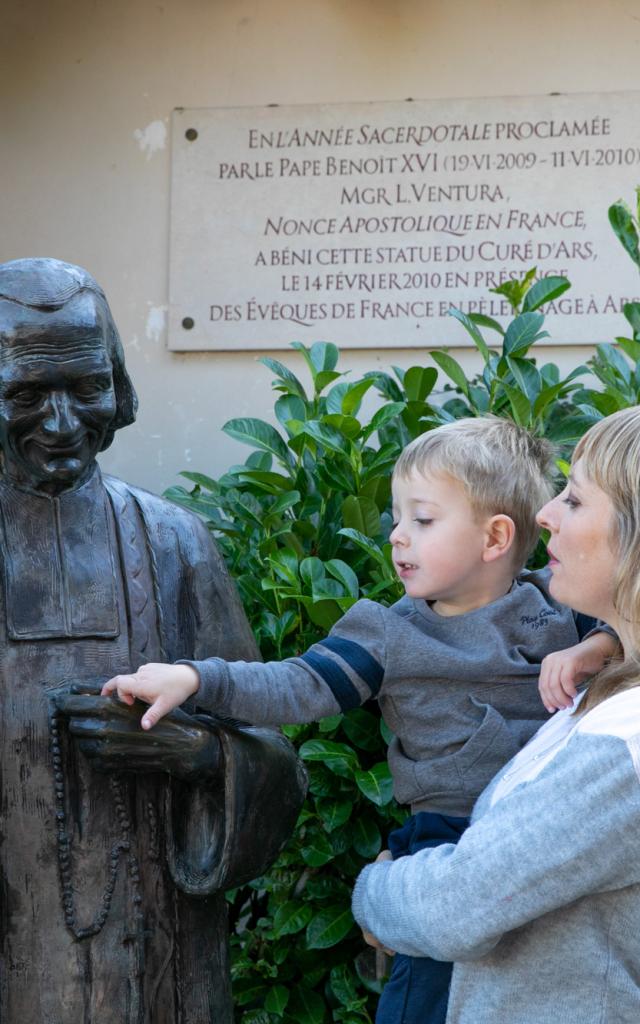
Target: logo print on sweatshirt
538,621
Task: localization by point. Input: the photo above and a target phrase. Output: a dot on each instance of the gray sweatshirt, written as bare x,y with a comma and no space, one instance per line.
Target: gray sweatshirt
459,693
540,901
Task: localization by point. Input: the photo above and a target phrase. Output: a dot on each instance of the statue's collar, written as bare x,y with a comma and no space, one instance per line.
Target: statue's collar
92,485
59,565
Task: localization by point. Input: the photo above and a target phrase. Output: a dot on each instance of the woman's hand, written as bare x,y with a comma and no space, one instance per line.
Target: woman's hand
368,937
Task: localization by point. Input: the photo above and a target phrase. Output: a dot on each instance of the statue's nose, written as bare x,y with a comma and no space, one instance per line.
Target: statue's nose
60,417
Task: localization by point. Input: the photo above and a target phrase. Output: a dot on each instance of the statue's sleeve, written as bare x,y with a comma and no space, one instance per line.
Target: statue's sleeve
228,831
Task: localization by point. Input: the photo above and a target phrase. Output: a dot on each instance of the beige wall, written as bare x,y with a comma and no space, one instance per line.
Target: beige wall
87,89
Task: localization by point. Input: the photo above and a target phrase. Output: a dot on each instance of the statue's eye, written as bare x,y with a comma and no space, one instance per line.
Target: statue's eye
25,397
91,389
87,391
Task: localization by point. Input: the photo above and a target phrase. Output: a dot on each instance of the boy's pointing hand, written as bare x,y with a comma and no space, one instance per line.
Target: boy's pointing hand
164,687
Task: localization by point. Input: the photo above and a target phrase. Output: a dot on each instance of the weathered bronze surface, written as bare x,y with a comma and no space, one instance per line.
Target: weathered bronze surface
115,843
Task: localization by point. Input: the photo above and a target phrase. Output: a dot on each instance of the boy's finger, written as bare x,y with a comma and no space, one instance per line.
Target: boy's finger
113,684
568,685
160,707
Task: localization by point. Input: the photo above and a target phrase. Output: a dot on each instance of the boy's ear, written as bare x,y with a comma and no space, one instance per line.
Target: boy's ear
499,537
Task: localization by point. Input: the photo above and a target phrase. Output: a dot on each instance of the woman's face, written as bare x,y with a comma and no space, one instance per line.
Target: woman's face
581,559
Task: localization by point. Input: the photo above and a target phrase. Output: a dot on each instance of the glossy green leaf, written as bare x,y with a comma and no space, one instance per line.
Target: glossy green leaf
545,290
317,850
337,757
419,381
526,375
306,1006
334,813
623,224
249,990
289,408
520,404
361,514
262,1017
471,327
324,379
202,481
366,837
330,722
486,321
631,311
354,395
452,369
522,332
385,385
631,347
328,589
260,434
335,397
311,570
284,502
327,436
277,999
376,783
329,927
343,984
291,917
572,427
383,416
324,356
269,482
324,614
285,375
362,728
546,396
615,358
365,543
344,574
348,426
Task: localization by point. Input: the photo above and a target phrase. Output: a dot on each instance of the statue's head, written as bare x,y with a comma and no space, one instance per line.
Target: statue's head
64,390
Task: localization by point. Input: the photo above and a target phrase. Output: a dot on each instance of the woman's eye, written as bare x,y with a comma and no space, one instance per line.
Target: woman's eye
570,501
423,522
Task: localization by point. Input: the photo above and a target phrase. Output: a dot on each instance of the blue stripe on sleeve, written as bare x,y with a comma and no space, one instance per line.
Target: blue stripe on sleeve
359,659
338,681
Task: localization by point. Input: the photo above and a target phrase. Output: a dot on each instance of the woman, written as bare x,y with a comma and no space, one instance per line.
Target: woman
539,903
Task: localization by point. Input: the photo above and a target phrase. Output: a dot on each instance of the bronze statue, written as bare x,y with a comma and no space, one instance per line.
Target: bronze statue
114,843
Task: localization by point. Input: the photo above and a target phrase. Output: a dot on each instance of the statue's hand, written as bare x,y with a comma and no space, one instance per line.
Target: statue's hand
109,734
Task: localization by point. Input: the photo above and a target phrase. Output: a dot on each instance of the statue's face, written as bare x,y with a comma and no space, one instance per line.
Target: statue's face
56,392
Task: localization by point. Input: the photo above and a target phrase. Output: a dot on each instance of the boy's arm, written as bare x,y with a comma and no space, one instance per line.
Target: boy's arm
562,671
536,850
336,674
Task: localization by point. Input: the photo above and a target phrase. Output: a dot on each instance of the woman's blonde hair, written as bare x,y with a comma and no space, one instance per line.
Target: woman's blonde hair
609,455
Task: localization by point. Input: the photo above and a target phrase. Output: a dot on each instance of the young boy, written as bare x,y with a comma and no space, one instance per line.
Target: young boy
454,664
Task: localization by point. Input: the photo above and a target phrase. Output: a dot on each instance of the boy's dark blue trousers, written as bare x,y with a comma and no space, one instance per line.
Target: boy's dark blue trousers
418,988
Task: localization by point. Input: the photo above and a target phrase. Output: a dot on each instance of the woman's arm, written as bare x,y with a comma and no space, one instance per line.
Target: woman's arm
572,831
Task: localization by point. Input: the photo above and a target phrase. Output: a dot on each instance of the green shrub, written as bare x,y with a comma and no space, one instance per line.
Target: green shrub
303,525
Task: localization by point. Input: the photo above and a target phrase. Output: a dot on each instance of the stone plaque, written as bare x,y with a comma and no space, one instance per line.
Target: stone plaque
362,224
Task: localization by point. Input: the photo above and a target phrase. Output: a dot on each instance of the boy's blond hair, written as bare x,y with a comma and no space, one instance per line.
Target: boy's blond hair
503,468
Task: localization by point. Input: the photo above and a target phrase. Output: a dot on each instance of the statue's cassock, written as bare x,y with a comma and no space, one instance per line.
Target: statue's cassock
110,901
